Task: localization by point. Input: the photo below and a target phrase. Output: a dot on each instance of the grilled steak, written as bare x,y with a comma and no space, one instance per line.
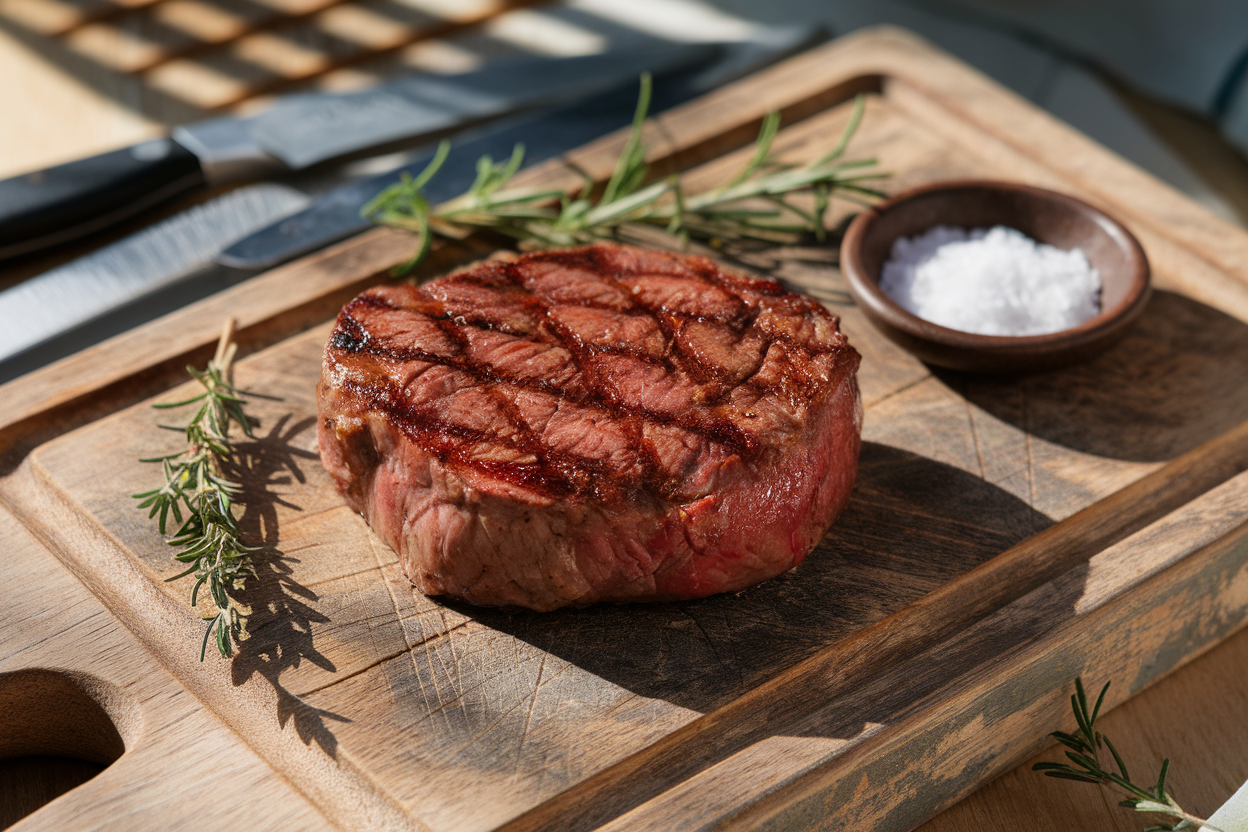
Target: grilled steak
595,424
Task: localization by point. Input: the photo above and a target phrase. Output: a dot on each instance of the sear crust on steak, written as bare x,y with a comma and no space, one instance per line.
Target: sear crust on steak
604,423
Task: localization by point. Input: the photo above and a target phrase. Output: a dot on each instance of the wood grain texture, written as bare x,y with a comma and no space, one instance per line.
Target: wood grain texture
1003,536
29,783
174,748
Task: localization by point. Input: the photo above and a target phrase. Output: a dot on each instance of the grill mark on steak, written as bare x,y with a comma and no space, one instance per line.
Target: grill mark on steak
534,464
563,470
669,322
349,335
717,430
551,473
631,421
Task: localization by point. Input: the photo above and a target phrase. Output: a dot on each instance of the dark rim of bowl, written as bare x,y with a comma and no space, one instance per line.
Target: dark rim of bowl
1137,294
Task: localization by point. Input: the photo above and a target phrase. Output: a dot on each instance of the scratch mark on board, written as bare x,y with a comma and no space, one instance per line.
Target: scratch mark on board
894,393
380,661
528,717
714,651
394,600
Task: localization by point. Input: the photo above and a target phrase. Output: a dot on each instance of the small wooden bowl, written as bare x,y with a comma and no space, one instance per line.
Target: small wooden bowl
1045,216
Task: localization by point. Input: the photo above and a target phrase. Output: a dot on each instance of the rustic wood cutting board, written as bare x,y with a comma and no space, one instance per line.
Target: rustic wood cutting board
1004,536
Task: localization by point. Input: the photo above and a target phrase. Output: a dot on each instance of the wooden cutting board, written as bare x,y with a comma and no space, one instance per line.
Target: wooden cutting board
1004,536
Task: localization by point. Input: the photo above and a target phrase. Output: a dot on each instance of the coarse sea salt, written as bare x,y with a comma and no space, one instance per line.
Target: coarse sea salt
994,281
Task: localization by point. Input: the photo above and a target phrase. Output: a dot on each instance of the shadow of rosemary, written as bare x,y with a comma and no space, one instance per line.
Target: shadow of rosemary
282,615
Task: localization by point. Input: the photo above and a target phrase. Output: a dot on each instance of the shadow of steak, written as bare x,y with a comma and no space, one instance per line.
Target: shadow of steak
596,424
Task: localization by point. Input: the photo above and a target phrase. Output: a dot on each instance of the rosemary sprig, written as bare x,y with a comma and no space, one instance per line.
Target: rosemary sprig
756,204
209,537
1085,766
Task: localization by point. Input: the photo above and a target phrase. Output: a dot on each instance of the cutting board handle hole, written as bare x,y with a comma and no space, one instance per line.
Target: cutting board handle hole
61,729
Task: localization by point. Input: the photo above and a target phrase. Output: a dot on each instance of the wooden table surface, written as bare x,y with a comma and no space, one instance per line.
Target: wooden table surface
1198,716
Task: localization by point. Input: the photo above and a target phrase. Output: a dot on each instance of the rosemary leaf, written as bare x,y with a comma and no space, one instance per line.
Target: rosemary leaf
631,166
209,538
1122,767
1087,768
1073,775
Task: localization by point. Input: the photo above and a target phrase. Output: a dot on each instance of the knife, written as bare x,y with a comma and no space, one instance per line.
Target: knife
51,206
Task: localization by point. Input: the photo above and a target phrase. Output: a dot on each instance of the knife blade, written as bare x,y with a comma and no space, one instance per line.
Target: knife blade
51,206
108,279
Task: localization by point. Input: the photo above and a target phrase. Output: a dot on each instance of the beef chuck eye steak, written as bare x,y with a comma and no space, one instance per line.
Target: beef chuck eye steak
595,424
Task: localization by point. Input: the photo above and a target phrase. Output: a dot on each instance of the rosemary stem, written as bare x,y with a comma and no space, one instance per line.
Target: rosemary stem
209,538
225,343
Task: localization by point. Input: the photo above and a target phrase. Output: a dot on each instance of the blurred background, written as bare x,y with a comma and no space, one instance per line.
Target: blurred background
1158,82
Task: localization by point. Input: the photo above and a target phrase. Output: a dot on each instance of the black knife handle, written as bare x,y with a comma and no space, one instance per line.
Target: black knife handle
51,206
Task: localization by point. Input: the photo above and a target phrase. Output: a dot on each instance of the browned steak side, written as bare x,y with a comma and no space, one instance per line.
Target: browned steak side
601,423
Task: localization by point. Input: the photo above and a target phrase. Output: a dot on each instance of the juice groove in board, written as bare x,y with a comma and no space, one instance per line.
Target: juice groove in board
782,704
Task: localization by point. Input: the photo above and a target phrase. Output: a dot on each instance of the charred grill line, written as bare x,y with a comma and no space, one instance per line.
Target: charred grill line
632,421
454,442
716,431
559,473
529,441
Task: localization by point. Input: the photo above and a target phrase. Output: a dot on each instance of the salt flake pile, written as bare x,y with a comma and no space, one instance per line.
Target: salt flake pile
991,281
